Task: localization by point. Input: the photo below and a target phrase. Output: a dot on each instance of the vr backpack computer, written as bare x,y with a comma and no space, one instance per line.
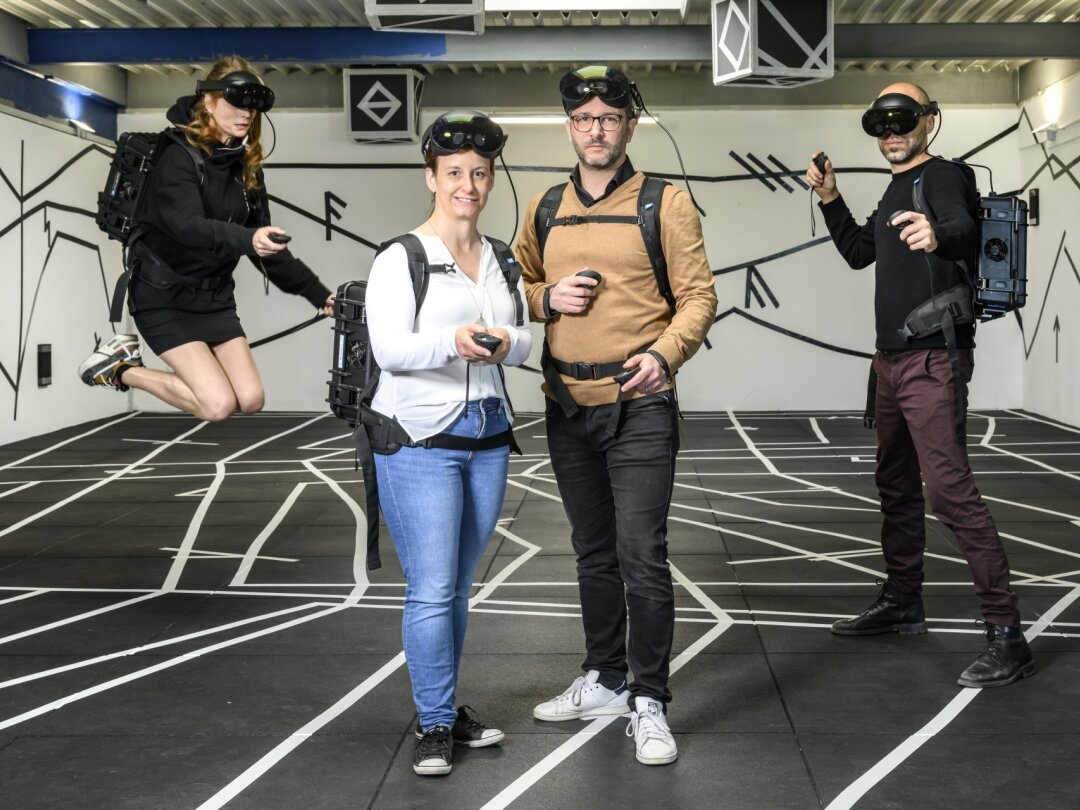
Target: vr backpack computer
123,200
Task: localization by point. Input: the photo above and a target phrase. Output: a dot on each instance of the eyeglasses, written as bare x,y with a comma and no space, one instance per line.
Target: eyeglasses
241,89
455,131
609,122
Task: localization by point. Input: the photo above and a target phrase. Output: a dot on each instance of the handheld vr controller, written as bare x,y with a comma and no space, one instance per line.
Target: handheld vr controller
590,274
486,341
893,216
626,374
280,238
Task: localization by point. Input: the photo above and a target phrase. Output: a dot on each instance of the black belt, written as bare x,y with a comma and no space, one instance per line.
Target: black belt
143,263
587,371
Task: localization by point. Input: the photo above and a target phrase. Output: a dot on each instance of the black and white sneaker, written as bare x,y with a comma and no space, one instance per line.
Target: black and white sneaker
107,359
434,753
468,732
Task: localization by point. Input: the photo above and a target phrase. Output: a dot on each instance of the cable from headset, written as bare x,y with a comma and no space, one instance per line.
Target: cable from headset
517,212
641,104
273,131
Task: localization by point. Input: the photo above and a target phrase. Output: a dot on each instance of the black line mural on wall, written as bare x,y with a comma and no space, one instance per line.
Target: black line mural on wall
758,290
778,177
14,378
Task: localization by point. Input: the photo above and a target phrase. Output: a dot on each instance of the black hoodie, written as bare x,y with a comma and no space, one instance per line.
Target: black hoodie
203,227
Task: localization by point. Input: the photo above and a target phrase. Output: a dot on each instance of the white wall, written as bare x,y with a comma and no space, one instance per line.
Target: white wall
748,366
55,266
1051,383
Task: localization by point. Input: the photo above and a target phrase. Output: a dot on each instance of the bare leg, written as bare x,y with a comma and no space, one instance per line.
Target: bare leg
200,383
239,365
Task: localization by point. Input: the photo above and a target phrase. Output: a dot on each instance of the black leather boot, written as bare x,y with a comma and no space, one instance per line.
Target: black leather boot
893,612
1007,658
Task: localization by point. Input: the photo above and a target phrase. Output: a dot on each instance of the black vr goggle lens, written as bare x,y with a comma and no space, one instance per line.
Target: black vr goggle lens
608,84
241,89
895,113
454,131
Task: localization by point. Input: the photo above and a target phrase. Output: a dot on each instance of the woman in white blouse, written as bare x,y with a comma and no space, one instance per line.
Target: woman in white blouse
442,492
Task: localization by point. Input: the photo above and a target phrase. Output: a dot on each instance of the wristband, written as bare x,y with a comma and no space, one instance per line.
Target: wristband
660,359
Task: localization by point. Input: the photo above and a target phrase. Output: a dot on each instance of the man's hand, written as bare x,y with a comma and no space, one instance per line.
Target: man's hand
823,183
572,294
650,376
916,230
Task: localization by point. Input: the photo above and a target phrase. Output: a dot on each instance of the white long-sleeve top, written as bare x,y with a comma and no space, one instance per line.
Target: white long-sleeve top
423,378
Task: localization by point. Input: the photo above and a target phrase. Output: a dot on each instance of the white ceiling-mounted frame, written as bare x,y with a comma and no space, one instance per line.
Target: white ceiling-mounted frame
772,43
589,5
426,16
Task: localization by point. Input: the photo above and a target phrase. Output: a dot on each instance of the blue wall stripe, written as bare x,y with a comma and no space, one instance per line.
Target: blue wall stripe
165,45
42,97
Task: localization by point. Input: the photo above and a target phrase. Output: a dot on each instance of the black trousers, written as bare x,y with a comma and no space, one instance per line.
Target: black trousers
617,491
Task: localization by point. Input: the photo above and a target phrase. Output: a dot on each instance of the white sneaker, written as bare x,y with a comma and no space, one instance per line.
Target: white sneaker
652,737
586,698
107,358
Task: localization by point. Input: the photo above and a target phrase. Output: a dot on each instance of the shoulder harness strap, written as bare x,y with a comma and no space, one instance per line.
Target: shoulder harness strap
647,219
419,269
652,192
545,214
511,271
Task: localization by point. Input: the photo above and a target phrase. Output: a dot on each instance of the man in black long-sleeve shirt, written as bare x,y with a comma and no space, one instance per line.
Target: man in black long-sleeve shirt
917,241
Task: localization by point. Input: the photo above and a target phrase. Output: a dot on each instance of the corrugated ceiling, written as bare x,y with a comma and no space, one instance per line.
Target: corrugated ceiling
75,14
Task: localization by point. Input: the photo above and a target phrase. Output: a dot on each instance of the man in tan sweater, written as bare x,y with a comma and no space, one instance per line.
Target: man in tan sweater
613,447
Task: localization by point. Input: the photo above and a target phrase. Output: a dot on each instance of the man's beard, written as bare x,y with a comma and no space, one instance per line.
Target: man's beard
615,152
906,153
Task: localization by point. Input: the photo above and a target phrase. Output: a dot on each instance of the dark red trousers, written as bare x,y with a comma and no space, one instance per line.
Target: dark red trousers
916,435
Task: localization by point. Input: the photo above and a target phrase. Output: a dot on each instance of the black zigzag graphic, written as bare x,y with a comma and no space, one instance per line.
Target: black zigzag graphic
14,380
1061,251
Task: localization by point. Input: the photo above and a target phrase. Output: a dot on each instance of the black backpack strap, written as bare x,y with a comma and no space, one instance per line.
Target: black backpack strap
869,419
511,271
652,192
545,214
419,269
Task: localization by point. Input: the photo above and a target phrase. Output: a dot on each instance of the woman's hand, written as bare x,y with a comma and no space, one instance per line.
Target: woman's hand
328,307
261,241
472,352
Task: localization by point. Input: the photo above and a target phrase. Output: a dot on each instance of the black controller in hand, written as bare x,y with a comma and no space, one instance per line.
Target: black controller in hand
819,161
590,274
279,238
626,374
486,341
899,226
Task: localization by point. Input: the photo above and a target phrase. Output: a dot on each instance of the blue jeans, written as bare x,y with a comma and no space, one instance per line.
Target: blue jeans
441,507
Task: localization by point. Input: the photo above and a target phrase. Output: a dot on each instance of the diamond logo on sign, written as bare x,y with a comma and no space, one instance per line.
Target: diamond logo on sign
379,104
739,33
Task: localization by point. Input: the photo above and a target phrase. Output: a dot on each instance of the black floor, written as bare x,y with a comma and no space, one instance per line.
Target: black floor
185,622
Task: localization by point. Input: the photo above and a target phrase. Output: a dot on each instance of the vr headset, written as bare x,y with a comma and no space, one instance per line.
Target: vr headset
241,89
459,129
609,84
895,113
